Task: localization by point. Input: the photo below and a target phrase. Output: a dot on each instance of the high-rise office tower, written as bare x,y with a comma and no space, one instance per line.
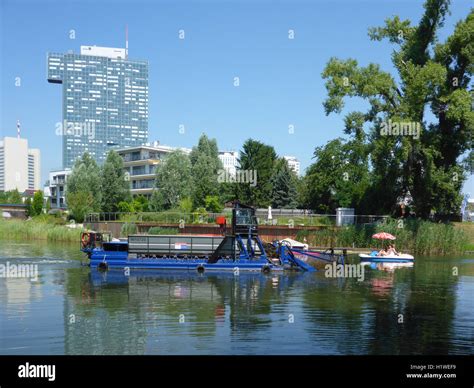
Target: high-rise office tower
105,101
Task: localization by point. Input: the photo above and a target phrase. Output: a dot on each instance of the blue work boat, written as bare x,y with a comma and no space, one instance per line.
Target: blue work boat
240,250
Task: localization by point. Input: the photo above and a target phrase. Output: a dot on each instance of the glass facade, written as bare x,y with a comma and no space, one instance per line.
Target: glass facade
105,103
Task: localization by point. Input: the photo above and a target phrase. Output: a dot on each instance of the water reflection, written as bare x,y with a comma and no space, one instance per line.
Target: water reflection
73,310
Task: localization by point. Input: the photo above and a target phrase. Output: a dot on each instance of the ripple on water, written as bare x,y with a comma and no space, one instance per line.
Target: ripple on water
73,311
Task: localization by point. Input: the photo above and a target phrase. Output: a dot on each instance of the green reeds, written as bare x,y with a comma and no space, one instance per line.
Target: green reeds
37,230
416,236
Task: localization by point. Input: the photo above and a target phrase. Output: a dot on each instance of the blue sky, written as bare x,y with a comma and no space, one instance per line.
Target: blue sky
192,80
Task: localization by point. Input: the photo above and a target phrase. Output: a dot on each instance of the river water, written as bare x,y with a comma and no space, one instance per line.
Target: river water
71,309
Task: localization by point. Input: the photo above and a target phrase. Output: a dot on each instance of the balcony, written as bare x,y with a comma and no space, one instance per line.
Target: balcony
57,182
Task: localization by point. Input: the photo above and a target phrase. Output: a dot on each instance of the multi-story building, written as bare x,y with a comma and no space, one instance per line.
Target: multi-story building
55,188
230,161
140,166
293,163
105,101
19,165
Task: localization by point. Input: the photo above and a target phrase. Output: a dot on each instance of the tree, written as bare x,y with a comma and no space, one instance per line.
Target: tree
430,76
84,188
256,159
80,204
205,164
114,185
213,204
338,178
173,181
140,204
29,210
11,197
284,185
38,203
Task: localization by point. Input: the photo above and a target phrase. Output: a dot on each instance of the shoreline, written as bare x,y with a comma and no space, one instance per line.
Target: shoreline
48,228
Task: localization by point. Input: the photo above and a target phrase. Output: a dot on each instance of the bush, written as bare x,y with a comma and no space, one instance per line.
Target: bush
186,205
124,207
200,215
38,202
213,204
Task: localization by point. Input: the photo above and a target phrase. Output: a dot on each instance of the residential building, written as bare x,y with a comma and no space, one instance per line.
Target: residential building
293,163
230,161
19,165
140,165
105,101
55,188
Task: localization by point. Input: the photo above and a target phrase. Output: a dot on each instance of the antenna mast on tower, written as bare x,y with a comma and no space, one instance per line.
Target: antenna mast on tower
126,41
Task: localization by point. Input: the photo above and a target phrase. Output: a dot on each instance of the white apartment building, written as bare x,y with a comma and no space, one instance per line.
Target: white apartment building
230,161
19,165
55,188
140,165
293,163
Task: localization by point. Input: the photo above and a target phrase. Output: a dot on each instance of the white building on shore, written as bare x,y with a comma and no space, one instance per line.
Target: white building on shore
19,165
293,163
230,161
140,165
55,188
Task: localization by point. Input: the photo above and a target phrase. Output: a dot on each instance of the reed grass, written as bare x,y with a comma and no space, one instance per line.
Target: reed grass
416,236
127,229
37,229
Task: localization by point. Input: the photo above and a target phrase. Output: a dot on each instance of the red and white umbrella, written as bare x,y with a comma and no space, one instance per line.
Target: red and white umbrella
384,236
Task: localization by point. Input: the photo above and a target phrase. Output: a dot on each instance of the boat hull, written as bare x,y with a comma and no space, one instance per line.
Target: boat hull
402,258
100,260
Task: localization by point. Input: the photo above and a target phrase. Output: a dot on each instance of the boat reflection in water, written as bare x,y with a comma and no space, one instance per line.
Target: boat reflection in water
387,266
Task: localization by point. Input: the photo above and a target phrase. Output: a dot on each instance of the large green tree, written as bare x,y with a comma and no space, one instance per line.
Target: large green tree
173,181
284,186
114,183
84,189
257,160
205,164
338,177
429,89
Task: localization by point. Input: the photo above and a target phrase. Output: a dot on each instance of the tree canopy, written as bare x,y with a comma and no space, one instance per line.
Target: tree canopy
429,92
173,181
258,159
114,183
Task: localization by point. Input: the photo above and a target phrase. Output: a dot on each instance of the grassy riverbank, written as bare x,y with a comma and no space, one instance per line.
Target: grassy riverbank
416,236
39,228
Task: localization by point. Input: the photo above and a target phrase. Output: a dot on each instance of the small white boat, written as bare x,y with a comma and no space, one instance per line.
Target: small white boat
400,258
389,267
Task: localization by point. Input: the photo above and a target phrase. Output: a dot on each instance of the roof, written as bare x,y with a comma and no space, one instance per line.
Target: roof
29,193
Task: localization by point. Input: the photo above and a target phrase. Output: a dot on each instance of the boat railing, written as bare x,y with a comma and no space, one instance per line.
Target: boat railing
291,220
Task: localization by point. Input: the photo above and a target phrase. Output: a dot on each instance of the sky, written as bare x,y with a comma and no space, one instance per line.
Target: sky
192,80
